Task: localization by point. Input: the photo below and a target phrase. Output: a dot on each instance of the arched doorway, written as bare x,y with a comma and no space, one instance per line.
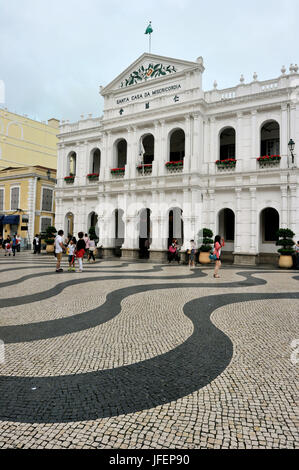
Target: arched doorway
69,224
269,224
270,141
227,144
144,233
175,226
119,231
226,229
93,226
177,145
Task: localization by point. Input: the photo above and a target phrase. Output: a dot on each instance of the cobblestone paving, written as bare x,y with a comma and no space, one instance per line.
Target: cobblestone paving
138,355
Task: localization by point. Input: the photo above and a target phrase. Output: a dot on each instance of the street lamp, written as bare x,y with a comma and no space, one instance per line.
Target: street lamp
291,146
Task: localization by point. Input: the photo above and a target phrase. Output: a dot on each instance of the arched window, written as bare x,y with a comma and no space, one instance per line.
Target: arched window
147,144
227,143
269,224
119,231
144,233
177,145
121,153
72,164
96,161
270,142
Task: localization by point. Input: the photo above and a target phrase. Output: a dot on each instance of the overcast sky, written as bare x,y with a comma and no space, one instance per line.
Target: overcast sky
54,54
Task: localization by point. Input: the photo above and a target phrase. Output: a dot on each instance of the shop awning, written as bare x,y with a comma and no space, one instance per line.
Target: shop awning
1,218
11,219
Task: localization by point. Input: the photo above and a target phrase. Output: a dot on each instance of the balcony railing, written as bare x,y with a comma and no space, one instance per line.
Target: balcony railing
69,179
93,177
117,172
226,165
144,170
269,161
175,167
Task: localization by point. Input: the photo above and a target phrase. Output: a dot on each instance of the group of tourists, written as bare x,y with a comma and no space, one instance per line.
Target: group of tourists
174,253
75,250
11,245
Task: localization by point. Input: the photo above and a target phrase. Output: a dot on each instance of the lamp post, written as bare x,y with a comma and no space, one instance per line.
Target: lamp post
291,146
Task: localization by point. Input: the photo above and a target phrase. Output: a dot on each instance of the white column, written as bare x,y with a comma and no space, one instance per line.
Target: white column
212,215
292,223
157,156
253,227
238,231
196,157
255,152
188,147
61,165
284,207
239,141
213,141
284,132
163,157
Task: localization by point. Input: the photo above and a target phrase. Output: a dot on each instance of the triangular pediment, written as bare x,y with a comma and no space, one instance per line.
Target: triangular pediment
147,68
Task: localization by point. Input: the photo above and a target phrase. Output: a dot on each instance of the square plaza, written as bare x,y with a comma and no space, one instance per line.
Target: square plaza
141,355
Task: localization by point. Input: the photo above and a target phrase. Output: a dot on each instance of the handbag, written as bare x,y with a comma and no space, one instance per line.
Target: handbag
213,257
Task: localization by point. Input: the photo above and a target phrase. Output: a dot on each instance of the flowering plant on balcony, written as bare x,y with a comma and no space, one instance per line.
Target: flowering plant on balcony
177,164
146,166
229,162
93,176
269,158
117,171
69,179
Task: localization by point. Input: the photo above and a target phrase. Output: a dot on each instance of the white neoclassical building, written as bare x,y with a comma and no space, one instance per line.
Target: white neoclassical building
167,159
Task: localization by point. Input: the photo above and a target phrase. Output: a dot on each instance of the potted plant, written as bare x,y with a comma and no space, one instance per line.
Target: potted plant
204,250
49,238
228,163
93,176
285,240
117,171
172,164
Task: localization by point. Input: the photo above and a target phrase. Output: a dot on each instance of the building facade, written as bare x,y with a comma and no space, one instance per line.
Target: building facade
27,202
28,156
167,159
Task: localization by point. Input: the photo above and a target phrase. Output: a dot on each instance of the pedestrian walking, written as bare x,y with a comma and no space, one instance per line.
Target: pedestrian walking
14,245
191,250
92,248
18,238
71,253
87,243
7,246
80,250
59,249
218,244
37,244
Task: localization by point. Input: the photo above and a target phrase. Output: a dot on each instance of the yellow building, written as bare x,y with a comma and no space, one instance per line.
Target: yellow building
24,141
26,201
28,162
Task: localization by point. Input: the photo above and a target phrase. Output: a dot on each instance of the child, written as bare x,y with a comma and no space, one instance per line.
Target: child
8,247
191,251
71,254
80,250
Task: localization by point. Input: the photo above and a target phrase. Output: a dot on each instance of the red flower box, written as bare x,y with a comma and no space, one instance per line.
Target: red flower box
69,179
93,176
227,162
115,171
269,158
179,163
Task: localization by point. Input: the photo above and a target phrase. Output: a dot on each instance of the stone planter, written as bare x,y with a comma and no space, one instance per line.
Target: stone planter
285,261
50,248
204,257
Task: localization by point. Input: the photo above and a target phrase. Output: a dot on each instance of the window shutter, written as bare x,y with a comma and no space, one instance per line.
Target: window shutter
14,199
47,200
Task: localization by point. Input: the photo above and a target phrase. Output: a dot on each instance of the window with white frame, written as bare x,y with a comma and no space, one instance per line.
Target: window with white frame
1,199
47,199
45,222
14,198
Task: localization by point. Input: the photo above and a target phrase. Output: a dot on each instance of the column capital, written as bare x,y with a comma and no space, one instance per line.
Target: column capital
252,191
284,107
253,112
